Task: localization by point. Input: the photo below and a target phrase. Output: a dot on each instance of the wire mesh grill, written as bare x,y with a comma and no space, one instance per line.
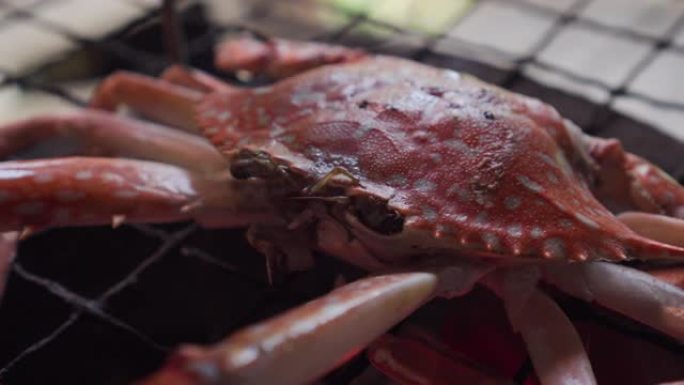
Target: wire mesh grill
96,305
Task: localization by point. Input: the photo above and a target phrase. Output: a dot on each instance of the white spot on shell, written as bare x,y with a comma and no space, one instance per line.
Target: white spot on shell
515,231
642,169
529,183
362,131
211,130
462,193
552,178
459,218
565,223
425,186
586,220
536,232
84,175
483,200
429,213
442,229
30,208
490,240
481,218
223,116
512,202
554,248
43,178
457,145
113,178
436,157
397,180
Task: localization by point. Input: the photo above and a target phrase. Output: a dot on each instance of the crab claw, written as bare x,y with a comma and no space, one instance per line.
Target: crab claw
301,345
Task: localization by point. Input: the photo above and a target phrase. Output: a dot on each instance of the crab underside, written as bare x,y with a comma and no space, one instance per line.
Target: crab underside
431,180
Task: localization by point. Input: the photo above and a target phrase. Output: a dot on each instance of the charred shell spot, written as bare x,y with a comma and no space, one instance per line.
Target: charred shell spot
374,214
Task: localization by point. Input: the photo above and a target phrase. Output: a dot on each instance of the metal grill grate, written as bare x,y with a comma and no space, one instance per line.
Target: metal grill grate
96,305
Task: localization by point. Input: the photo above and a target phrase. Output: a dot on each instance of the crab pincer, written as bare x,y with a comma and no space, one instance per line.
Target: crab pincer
279,350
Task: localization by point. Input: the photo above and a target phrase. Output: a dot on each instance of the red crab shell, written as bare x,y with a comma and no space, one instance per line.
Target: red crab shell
469,166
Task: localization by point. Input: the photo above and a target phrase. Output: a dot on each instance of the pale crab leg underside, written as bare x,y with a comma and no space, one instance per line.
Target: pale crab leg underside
112,135
302,344
637,294
663,229
658,227
91,191
554,345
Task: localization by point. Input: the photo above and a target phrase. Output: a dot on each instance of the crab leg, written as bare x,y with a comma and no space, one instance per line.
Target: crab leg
156,99
194,79
302,344
630,182
279,58
117,136
634,293
658,227
555,348
91,191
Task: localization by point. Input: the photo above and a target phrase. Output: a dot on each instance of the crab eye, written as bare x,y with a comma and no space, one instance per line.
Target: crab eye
246,164
375,215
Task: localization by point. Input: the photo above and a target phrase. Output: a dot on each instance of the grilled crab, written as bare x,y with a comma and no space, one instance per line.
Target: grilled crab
431,180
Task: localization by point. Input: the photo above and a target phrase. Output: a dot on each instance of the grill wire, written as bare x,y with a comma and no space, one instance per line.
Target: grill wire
106,306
